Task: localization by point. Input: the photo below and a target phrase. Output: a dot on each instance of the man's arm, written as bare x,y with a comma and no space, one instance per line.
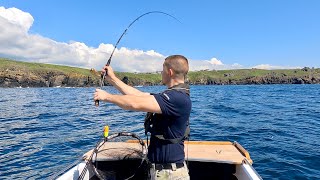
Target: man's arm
146,103
121,86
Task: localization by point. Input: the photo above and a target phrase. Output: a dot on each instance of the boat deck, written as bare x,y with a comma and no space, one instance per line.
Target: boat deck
204,151
216,151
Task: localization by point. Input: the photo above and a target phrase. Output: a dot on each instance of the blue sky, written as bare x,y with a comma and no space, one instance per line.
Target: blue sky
266,34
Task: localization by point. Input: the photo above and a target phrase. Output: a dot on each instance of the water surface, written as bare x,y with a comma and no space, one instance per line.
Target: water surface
43,130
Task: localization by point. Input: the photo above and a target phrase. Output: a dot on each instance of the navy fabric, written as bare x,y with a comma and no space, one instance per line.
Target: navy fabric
176,107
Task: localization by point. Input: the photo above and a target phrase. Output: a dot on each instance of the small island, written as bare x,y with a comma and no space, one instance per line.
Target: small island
24,74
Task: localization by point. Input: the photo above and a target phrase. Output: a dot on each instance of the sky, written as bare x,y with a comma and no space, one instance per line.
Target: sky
233,34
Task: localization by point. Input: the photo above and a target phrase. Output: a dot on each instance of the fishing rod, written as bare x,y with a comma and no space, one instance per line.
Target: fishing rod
124,32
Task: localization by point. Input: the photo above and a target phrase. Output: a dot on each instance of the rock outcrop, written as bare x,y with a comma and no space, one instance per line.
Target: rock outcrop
47,79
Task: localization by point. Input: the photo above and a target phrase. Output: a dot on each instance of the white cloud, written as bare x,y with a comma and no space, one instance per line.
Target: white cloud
269,67
17,17
19,44
215,61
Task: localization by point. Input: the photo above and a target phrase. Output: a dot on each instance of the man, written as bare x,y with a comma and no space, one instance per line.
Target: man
171,110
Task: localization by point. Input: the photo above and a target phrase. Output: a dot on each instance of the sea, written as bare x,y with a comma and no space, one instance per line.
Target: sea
43,130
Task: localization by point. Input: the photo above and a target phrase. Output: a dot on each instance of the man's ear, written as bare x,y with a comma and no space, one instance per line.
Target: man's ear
171,73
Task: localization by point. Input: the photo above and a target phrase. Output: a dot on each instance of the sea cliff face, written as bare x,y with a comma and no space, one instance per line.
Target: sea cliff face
46,79
261,80
22,74
256,76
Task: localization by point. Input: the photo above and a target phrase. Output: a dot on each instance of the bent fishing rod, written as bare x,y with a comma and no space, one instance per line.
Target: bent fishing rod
124,32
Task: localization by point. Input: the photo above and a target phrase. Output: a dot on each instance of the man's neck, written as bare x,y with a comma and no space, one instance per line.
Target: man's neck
174,82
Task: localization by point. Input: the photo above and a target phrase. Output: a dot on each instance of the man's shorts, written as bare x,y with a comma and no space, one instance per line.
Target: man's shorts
172,171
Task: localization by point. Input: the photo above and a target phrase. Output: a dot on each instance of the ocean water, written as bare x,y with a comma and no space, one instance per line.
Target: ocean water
43,130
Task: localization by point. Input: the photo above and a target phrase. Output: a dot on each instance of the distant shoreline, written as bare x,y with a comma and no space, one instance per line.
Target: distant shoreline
66,87
15,74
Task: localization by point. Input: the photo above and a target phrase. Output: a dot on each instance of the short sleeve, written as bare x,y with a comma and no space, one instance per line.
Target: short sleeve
172,103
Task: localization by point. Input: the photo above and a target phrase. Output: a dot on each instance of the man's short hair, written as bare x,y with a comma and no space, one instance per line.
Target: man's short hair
179,64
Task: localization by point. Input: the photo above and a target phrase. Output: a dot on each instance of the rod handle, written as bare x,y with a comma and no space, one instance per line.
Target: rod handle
96,103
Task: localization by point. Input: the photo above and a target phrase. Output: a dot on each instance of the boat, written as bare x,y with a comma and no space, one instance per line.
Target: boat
127,160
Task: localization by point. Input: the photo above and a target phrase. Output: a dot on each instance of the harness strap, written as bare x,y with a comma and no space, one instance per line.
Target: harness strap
176,140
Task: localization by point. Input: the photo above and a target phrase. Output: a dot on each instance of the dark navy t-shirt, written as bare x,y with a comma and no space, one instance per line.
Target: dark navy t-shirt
176,107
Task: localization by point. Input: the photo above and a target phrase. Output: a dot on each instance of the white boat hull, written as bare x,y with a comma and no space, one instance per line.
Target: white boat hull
205,159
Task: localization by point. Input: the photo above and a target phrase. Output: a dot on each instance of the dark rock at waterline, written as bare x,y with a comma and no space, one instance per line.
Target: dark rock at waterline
52,79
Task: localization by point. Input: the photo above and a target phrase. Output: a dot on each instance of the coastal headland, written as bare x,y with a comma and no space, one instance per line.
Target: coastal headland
24,74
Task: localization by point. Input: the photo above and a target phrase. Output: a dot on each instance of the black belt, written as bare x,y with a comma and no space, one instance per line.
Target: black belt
168,166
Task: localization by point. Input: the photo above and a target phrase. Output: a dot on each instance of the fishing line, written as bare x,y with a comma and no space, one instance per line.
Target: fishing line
124,32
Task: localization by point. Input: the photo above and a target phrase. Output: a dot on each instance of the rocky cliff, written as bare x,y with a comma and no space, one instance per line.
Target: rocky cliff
21,74
46,79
